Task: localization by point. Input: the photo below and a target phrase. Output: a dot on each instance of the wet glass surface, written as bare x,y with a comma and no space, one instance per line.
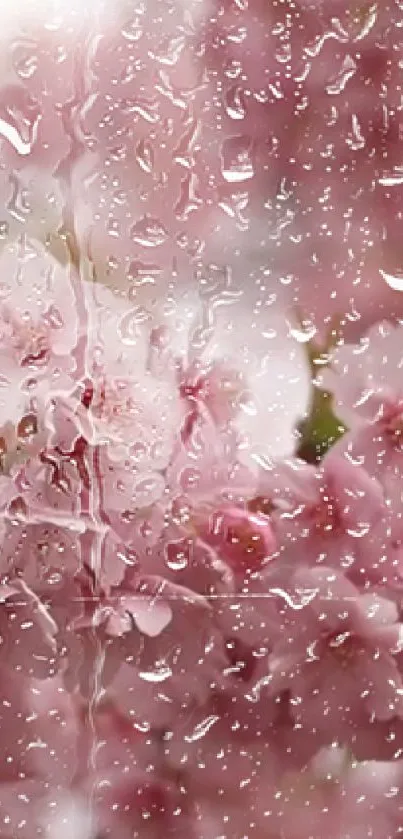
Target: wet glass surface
201,419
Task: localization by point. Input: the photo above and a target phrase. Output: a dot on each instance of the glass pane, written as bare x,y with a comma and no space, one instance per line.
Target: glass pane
201,419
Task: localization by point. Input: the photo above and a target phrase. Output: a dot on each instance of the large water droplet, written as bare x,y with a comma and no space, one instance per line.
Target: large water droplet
177,555
133,29
130,326
202,728
10,132
25,59
347,70
394,178
304,332
189,478
236,161
189,200
145,156
361,529
149,232
169,51
235,103
394,281
160,674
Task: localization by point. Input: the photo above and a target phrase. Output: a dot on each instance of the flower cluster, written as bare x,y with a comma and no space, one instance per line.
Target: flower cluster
201,627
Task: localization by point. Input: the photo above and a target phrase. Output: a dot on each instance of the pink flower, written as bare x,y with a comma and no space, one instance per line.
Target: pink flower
238,383
128,409
226,771
38,330
33,205
334,514
258,366
79,766
162,505
124,610
149,631
243,540
339,662
364,379
340,196
42,554
336,795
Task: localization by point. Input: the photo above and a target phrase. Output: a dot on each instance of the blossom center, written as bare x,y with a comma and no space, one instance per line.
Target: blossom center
112,402
324,517
392,422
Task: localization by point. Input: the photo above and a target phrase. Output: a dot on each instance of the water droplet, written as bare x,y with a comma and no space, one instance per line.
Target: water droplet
394,281
236,162
53,318
4,229
346,72
180,511
237,34
246,404
145,156
177,555
304,332
146,529
202,728
54,578
169,51
160,674
235,103
283,53
138,451
361,529
149,232
128,556
142,273
393,179
189,200
183,153
19,123
189,478
133,29
113,228
367,18
149,490
25,60
129,327
357,139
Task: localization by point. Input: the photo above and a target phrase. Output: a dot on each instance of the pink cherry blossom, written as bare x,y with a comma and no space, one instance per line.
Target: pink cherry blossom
141,629
129,410
364,378
38,329
334,514
242,539
73,767
334,794
342,163
342,657
242,385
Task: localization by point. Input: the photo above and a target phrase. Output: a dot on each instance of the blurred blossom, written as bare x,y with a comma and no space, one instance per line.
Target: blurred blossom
200,289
